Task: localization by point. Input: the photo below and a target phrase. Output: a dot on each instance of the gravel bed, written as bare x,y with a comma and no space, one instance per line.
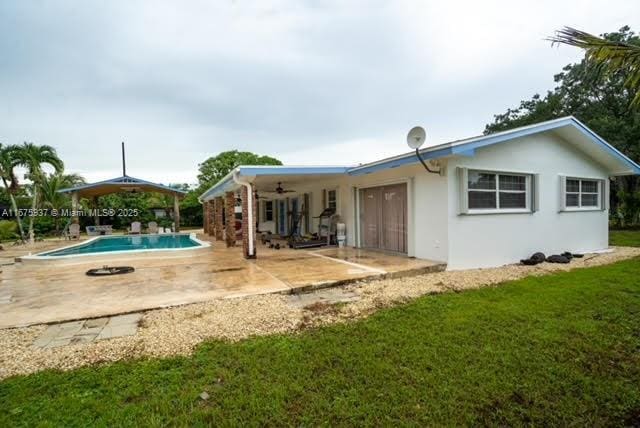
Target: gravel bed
176,331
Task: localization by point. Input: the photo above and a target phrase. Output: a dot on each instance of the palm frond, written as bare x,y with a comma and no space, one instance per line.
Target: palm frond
608,56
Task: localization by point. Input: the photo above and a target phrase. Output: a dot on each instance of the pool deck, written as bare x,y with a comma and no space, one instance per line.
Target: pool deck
35,292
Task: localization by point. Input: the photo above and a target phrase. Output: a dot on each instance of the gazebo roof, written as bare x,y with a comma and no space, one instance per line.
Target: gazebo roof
121,184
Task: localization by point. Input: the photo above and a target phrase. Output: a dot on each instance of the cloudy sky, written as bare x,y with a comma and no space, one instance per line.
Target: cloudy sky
310,82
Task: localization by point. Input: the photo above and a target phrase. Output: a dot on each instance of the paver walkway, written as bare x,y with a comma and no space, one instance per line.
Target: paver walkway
83,331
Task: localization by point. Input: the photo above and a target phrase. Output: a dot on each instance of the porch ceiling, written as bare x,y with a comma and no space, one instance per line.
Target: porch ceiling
289,182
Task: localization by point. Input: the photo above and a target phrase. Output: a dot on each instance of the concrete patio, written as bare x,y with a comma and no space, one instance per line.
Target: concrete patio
54,291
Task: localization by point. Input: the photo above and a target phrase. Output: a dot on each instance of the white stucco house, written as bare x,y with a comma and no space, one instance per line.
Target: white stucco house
493,199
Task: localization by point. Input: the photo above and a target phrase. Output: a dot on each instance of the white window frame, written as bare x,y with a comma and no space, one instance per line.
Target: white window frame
464,181
563,194
327,205
264,212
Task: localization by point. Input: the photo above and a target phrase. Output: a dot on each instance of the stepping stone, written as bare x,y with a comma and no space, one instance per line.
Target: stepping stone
125,319
119,330
69,329
329,296
55,343
82,338
96,322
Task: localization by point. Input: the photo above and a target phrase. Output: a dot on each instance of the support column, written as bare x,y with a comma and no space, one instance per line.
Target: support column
75,205
210,217
218,224
96,217
176,212
248,230
205,217
230,217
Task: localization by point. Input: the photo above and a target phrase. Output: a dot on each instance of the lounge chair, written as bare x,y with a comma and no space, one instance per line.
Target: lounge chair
74,231
135,228
152,227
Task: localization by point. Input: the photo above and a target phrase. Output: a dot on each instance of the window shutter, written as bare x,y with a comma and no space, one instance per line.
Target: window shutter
535,192
463,198
604,194
276,217
563,196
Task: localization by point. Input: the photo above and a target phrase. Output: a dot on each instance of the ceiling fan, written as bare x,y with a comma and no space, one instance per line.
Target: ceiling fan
279,190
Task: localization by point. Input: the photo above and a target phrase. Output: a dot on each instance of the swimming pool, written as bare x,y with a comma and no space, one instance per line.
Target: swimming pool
127,243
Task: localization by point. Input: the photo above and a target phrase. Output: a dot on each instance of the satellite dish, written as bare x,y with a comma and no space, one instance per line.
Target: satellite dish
416,137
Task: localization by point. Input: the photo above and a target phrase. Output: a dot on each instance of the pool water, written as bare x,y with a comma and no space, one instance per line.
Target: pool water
106,244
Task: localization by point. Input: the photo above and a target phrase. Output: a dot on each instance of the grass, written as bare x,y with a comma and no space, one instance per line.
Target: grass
625,238
554,350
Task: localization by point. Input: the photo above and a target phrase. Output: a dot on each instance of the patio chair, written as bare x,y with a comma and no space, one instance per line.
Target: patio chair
135,228
74,231
152,227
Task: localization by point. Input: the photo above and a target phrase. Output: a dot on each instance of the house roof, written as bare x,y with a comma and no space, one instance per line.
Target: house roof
121,184
568,128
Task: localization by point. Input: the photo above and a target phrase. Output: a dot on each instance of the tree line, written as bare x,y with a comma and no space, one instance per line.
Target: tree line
602,92
41,190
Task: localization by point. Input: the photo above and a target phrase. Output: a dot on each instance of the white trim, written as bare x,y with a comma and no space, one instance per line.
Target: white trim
411,248
44,256
387,182
463,174
408,181
600,202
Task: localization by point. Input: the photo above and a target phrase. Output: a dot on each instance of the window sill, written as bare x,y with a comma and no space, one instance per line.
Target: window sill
581,210
497,211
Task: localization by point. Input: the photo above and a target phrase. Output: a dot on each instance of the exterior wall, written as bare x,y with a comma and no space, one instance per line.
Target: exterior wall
230,224
485,240
218,224
436,229
427,210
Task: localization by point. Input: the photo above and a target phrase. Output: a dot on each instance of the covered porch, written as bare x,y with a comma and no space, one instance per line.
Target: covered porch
312,206
287,203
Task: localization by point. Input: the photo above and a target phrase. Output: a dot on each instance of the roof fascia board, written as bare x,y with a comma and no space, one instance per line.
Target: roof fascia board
113,181
468,148
219,187
634,167
256,170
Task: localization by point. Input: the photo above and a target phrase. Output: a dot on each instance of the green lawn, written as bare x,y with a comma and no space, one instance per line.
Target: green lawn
560,349
625,238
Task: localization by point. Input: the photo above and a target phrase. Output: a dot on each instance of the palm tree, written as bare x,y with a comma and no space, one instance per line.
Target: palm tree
49,188
32,157
8,161
608,56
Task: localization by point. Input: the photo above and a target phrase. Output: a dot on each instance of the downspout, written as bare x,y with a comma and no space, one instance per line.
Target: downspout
247,185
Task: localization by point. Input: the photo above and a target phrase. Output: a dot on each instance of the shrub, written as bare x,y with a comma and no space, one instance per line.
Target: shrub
8,230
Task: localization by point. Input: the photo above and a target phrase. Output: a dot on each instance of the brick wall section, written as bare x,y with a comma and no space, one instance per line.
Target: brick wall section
205,217
210,217
245,224
230,229
218,226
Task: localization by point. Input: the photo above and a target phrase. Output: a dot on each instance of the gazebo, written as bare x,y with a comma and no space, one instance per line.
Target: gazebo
123,184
